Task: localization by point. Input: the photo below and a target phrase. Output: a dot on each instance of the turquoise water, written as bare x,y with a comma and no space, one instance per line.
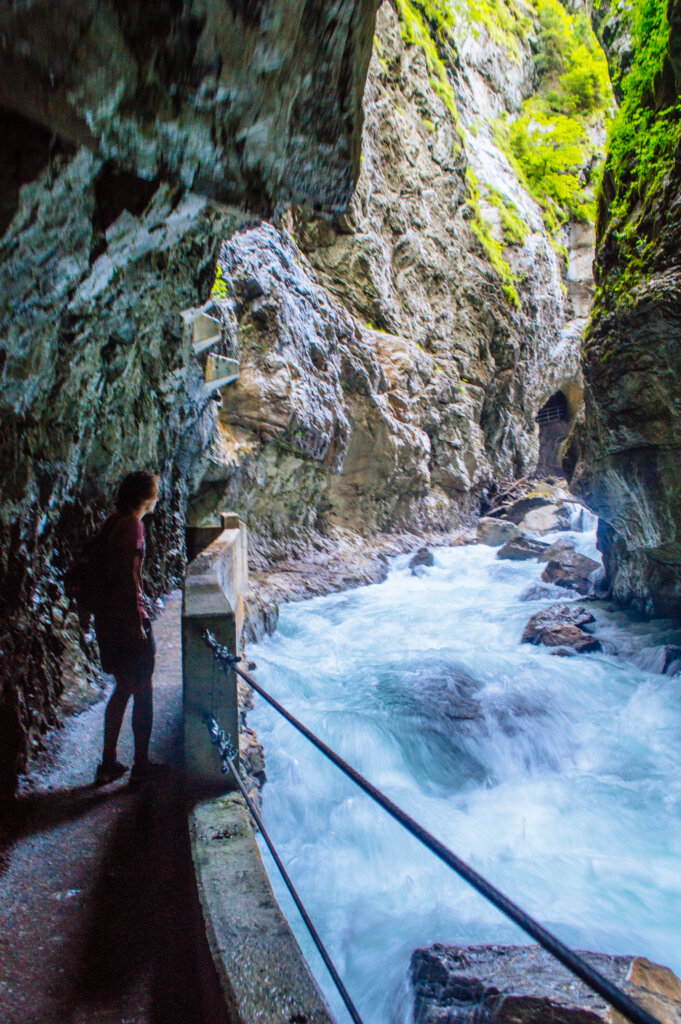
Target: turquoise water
557,778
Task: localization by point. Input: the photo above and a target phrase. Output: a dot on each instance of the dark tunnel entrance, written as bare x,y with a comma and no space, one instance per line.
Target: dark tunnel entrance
554,424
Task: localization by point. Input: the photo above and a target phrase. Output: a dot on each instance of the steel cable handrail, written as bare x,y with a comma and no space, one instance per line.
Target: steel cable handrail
221,740
614,995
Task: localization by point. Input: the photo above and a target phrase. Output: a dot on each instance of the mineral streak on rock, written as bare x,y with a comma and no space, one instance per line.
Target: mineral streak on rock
526,985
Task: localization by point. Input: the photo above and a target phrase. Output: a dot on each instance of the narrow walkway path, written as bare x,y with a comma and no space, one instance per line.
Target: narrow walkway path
98,912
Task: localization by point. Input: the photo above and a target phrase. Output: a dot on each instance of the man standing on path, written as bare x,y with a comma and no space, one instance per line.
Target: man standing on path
122,626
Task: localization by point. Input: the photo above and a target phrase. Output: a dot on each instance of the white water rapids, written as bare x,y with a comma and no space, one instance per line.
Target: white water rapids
557,778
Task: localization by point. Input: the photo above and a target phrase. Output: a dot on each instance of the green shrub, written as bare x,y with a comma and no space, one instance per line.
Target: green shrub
514,228
548,143
493,248
548,151
416,33
643,137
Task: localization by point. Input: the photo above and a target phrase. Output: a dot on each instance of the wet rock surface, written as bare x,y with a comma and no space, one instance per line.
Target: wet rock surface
559,548
672,660
546,519
246,103
560,625
495,532
524,985
571,570
405,259
624,458
522,549
421,560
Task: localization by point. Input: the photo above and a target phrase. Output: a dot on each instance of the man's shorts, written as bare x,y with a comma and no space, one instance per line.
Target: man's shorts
122,650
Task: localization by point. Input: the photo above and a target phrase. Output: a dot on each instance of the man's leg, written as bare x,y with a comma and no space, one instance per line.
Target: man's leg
113,717
111,769
142,720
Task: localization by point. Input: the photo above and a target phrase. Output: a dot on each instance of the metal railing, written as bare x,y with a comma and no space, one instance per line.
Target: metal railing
596,981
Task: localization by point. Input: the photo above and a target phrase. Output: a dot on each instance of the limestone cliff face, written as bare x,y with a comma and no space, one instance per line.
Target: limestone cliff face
120,124
408,259
625,457
387,379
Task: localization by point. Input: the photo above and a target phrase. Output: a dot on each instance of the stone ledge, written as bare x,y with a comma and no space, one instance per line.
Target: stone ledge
261,969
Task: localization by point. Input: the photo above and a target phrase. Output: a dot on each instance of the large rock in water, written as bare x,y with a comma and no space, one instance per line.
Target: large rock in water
561,626
623,460
546,519
522,549
526,985
570,569
494,532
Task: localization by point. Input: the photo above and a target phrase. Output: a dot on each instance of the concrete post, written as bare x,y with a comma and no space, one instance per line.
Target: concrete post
213,600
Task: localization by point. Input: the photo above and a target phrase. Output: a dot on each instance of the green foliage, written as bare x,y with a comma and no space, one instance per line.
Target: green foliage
416,33
547,151
571,64
493,248
506,21
221,287
548,143
514,228
643,137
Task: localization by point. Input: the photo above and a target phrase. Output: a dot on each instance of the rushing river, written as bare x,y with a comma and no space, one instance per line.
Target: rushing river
557,778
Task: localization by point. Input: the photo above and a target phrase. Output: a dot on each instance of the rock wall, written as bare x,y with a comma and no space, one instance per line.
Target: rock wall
121,125
624,458
387,379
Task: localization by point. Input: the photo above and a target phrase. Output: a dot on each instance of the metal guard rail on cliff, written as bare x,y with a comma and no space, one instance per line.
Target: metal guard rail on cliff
596,981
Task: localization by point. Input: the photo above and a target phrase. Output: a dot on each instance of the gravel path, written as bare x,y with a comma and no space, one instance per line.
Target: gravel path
99,919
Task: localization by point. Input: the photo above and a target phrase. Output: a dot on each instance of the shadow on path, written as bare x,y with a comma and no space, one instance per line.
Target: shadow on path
144,932
29,814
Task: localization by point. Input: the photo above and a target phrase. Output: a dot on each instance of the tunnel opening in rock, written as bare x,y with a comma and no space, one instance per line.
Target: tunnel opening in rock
554,420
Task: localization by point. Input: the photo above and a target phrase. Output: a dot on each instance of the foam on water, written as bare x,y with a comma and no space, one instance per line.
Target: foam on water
557,778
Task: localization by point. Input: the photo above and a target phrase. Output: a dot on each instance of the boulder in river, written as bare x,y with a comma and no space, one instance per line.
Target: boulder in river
561,626
526,985
573,637
546,519
521,549
423,557
672,660
494,532
557,549
570,569
541,592
517,510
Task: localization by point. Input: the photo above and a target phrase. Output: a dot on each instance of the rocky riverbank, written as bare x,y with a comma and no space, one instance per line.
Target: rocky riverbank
525,985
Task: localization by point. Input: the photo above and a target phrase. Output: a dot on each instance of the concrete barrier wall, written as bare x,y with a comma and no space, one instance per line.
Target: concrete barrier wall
261,970
213,601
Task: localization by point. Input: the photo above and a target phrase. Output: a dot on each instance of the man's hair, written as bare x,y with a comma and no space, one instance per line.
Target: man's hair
136,489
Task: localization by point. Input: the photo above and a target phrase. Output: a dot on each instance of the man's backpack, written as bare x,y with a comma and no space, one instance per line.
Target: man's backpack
85,581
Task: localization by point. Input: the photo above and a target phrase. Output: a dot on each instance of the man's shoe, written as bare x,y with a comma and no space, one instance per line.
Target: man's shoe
145,770
109,771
